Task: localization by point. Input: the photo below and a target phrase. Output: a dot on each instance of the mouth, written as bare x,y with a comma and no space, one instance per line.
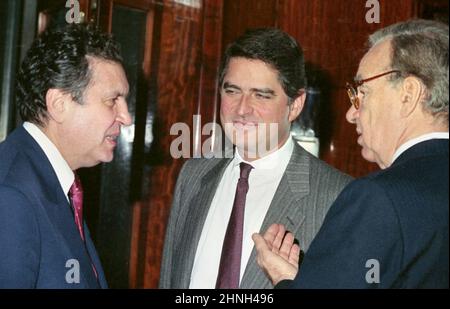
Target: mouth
244,125
360,138
359,141
112,139
359,132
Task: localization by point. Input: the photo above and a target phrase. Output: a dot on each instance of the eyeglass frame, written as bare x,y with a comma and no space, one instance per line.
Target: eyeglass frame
352,88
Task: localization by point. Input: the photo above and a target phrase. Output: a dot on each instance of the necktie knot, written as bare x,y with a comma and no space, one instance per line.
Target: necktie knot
76,190
245,170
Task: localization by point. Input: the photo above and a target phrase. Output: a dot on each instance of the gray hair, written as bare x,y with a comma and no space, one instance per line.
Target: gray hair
420,48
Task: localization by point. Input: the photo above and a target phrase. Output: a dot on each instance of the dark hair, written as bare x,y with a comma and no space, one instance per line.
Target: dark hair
420,48
58,59
276,48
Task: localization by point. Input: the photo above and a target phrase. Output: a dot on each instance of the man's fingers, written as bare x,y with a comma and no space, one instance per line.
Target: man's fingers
271,233
286,246
277,265
260,243
294,255
277,242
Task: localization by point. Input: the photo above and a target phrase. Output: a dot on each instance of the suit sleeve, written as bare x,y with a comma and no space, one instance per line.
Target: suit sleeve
169,240
359,244
19,241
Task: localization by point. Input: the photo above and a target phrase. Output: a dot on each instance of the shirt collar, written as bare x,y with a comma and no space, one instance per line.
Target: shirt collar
417,140
63,172
272,160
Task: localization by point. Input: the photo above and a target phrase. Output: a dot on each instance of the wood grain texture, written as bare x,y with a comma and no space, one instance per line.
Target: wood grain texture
333,35
186,53
239,16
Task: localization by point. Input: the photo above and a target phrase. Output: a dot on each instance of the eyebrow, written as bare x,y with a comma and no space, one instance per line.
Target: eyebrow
114,94
264,90
260,90
228,85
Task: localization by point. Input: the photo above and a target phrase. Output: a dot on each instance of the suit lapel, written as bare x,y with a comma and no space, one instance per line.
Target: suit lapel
286,208
101,280
196,216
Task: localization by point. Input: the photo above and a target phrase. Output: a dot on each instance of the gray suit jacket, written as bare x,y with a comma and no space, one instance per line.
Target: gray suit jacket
306,191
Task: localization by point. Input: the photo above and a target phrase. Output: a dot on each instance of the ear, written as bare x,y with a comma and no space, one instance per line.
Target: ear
412,93
297,106
57,104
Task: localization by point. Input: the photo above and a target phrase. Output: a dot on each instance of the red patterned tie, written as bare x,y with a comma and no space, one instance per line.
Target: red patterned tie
76,195
230,261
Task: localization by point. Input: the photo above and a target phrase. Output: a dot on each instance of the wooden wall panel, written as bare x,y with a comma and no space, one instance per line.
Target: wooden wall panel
176,97
186,54
333,35
433,9
241,15
211,51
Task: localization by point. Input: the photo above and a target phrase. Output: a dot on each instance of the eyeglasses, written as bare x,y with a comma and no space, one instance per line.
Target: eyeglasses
352,88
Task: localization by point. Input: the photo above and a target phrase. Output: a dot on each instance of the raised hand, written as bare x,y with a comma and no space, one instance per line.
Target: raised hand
277,254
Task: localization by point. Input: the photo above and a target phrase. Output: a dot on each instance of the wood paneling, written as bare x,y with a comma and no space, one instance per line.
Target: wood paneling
433,9
241,15
333,35
185,58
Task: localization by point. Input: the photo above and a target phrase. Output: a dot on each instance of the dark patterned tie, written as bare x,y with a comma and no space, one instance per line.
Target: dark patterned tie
76,196
230,261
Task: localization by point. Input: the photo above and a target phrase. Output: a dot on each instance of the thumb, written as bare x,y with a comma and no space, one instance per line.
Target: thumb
259,241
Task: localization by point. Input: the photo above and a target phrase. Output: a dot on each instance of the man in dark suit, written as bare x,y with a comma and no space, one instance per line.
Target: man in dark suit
262,84
71,91
390,228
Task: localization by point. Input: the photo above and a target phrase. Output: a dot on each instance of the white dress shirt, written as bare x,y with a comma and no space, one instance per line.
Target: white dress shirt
62,170
263,181
417,140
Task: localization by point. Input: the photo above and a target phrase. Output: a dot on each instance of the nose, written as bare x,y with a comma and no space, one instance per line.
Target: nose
244,106
352,114
123,116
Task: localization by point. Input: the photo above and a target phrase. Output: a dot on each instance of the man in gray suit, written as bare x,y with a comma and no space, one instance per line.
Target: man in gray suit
262,84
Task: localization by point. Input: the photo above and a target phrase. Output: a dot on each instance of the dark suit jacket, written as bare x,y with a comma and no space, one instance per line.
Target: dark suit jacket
38,234
398,217
306,191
